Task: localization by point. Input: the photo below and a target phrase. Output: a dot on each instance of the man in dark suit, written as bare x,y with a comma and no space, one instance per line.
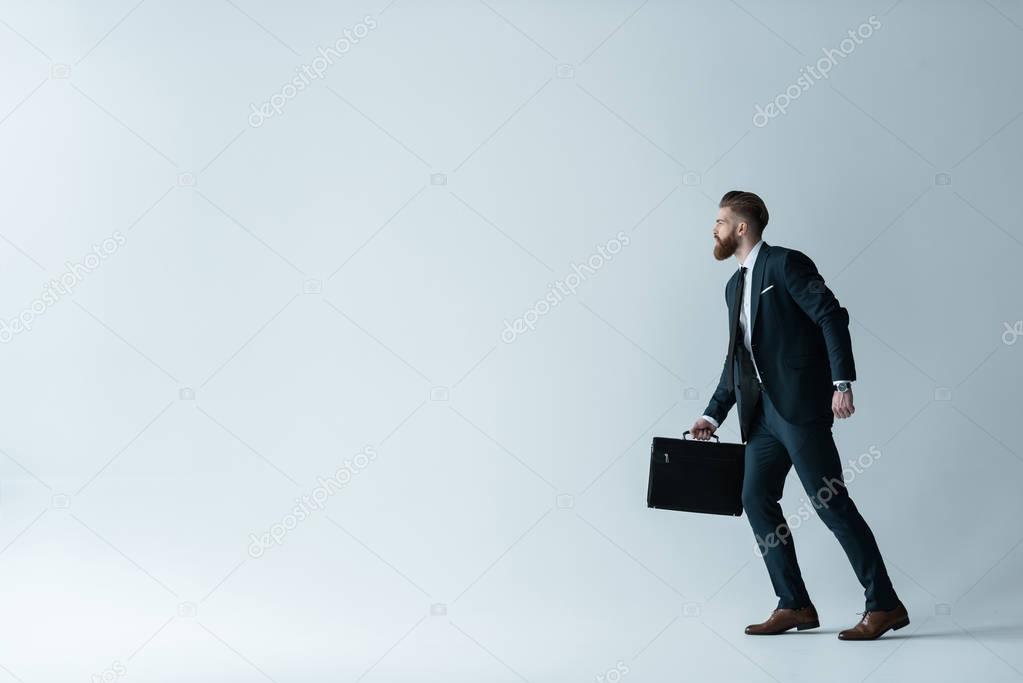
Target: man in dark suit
789,368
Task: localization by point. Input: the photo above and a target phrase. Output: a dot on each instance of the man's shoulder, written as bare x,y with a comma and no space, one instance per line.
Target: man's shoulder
779,252
778,255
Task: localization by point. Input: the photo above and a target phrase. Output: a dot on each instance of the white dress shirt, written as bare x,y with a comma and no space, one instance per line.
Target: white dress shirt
745,313
747,298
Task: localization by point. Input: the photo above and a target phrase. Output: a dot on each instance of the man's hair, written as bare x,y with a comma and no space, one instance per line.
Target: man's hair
747,206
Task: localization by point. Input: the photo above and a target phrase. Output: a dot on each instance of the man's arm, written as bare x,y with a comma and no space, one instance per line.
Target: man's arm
724,396
722,400
807,287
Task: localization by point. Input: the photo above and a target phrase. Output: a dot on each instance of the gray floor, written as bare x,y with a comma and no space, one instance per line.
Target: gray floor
338,297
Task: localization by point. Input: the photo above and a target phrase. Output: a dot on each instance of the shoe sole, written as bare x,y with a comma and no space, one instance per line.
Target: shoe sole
893,627
798,627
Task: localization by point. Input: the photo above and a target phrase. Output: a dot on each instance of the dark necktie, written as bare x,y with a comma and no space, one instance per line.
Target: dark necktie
733,335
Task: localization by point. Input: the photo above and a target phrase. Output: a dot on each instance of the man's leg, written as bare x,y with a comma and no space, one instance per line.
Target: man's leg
767,464
815,457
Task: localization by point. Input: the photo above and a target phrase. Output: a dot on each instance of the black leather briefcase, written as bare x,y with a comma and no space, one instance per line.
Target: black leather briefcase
695,476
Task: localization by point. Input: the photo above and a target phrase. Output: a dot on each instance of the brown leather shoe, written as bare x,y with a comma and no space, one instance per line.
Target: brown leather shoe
876,623
783,619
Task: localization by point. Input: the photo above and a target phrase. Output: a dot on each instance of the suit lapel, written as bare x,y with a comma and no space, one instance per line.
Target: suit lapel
733,282
756,284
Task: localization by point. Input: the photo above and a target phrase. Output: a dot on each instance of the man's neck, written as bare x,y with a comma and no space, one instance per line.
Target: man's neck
744,250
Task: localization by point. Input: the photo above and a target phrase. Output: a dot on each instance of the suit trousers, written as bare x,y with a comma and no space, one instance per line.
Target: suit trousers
774,446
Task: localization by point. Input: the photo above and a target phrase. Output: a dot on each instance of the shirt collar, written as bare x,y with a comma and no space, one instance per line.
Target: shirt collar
751,258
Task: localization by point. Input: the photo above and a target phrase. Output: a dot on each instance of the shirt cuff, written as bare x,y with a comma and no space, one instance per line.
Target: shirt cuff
839,381
711,420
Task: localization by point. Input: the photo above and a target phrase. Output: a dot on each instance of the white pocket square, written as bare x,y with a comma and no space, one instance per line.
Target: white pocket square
765,289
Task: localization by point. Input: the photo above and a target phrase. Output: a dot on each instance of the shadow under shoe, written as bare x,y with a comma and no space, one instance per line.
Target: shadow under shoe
783,619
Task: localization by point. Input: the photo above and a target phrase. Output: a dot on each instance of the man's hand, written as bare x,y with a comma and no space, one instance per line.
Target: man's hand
702,429
842,404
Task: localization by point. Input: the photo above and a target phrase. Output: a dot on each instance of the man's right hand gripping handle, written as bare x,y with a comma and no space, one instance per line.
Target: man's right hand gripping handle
703,428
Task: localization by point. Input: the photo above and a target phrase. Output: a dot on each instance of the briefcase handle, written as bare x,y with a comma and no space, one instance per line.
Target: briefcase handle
713,436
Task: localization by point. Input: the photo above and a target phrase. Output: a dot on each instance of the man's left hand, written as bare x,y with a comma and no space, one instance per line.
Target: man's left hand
842,404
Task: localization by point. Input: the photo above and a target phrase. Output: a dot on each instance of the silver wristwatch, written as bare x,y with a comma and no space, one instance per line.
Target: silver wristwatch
843,386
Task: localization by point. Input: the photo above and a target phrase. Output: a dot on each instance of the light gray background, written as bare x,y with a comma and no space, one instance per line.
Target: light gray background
501,533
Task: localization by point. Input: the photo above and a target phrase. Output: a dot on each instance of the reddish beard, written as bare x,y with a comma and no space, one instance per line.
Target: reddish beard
723,248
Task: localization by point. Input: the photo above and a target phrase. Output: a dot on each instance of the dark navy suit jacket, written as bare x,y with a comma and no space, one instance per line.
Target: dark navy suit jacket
800,338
